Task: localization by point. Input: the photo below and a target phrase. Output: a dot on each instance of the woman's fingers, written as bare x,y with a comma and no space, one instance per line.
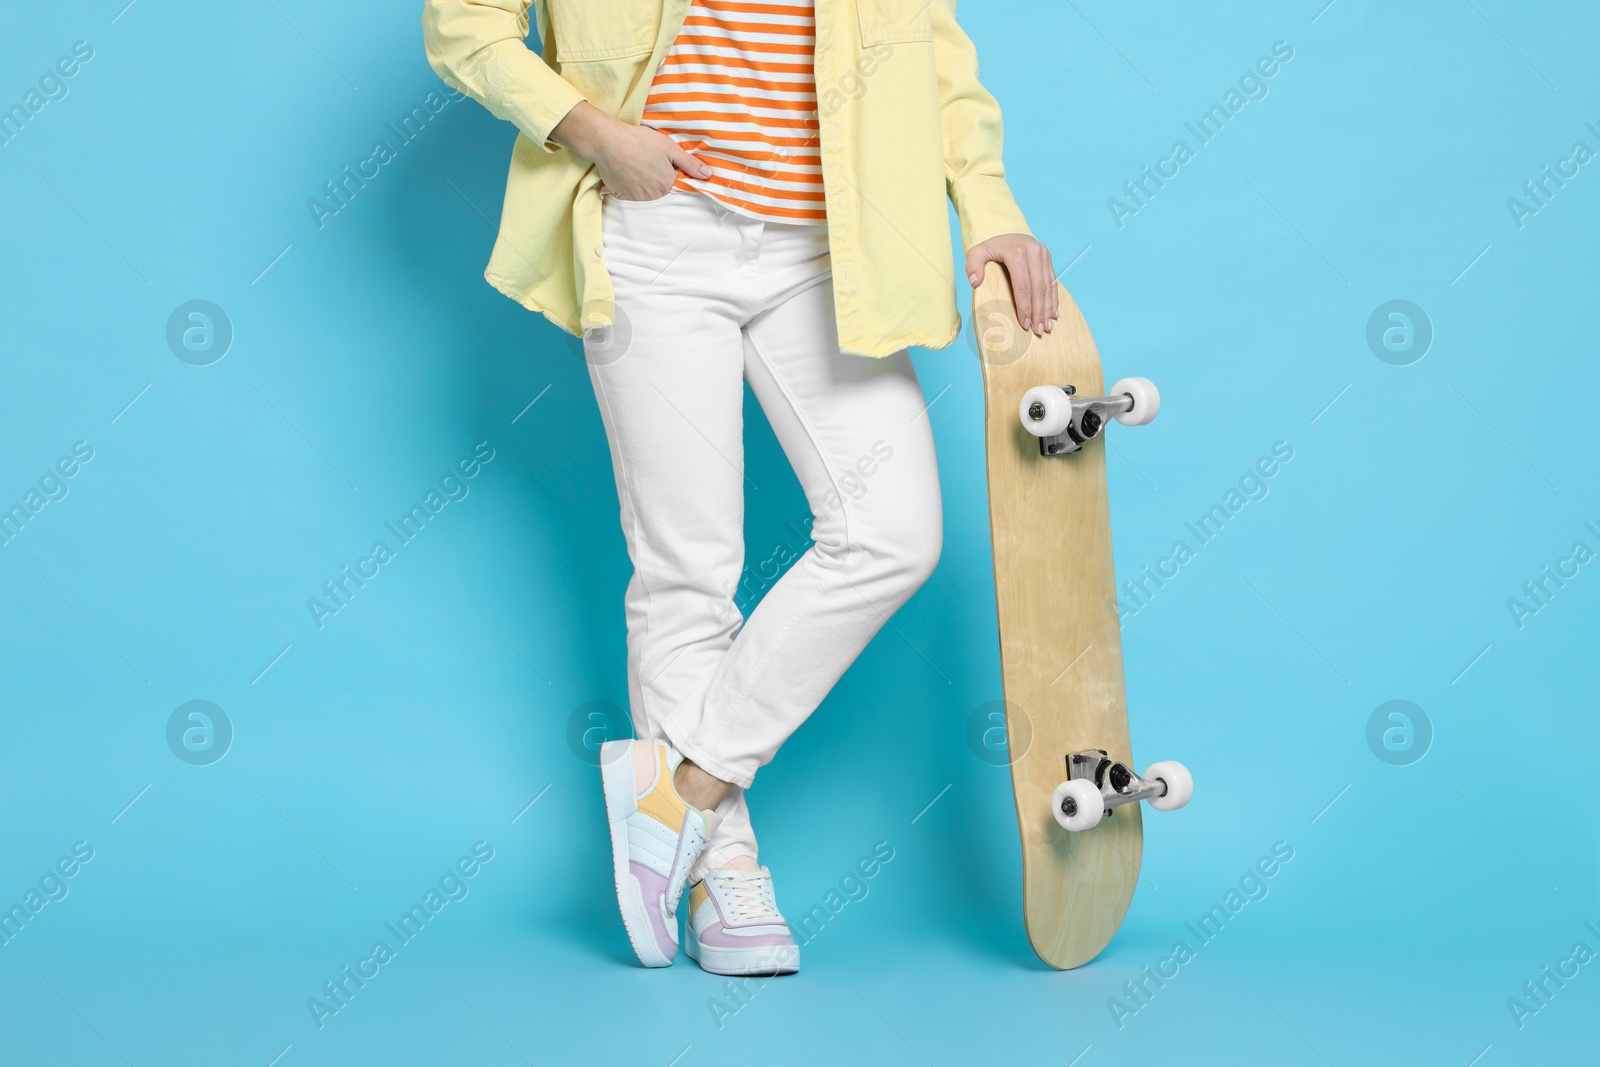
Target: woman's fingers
687,162
1021,274
1032,273
1053,290
1041,280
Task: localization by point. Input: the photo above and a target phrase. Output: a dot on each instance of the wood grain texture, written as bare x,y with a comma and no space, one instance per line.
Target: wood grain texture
1060,649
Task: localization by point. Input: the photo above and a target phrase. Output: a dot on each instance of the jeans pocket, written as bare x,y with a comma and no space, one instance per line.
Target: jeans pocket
615,199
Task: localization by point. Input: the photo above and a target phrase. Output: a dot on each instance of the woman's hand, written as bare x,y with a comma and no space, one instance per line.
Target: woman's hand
635,162
1033,277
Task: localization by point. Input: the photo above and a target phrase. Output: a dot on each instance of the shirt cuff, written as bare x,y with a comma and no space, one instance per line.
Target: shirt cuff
985,207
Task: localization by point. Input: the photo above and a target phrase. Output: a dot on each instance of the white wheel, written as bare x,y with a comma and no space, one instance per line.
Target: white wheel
1180,787
1077,805
1146,400
1045,410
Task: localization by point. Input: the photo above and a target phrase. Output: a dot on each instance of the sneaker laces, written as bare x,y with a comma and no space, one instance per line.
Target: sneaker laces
748,894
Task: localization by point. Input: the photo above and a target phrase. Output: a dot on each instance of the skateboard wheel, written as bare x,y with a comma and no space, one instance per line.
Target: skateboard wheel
1180,787
1077,805
1046,410
1146,400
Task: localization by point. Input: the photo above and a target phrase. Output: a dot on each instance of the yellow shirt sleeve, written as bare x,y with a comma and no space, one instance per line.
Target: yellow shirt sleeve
480,48
973,136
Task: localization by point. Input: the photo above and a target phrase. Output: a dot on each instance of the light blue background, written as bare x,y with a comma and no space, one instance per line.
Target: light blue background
427,715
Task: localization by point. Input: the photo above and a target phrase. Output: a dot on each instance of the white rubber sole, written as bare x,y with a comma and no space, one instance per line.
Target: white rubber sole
622,800
736,962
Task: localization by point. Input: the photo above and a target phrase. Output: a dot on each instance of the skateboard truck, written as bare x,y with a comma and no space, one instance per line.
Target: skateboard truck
1064,421
1096,784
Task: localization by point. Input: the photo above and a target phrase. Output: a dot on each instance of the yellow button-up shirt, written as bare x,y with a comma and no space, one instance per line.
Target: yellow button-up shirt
904,122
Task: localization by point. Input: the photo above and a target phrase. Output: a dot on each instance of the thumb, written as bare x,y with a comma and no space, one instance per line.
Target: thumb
977,259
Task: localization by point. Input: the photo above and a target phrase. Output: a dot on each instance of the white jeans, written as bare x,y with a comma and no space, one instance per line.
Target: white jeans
707,299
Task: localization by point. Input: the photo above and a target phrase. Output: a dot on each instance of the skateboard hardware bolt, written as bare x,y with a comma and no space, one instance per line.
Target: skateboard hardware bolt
1119,777
1036,412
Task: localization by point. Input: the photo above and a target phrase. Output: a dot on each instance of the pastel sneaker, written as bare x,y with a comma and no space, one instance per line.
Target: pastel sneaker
656,836
735,927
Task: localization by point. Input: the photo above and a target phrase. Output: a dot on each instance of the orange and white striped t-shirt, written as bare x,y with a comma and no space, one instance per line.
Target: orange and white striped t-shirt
738,89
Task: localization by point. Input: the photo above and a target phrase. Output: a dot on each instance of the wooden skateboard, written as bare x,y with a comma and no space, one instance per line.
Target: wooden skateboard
1060,648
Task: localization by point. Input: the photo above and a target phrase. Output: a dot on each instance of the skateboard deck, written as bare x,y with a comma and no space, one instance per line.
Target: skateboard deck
1060,647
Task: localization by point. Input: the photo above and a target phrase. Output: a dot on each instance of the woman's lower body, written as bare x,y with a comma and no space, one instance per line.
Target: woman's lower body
708,299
